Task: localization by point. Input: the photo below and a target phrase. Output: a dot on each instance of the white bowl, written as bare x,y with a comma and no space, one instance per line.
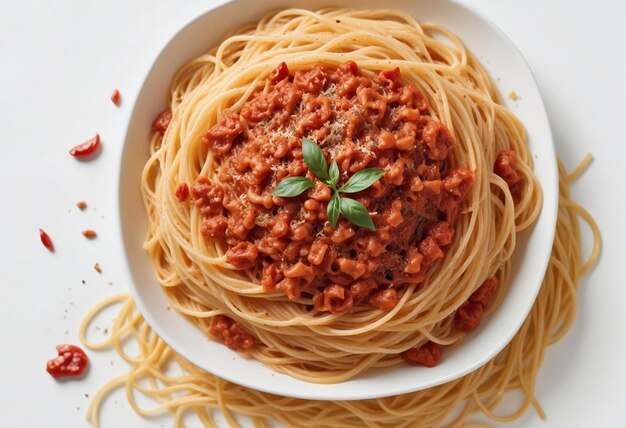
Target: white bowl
498,55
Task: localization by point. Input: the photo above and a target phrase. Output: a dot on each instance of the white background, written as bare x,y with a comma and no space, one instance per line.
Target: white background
60,61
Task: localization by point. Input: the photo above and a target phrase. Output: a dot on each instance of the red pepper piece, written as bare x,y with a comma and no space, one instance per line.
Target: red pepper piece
115,97
89,234
45,240
279,73
485,293
392,74
162,121
182,193
468,316
350,67
87,148
390,78
427,355
71,361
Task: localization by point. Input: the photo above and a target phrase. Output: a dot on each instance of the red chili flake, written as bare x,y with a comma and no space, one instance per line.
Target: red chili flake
162,121
45,240
115,97
89,234
87,148
81,205
71,361
279,73
182,193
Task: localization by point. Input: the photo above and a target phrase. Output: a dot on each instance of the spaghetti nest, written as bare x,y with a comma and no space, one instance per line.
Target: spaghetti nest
298,332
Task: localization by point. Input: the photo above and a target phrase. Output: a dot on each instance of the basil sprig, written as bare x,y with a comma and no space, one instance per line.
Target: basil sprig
351,209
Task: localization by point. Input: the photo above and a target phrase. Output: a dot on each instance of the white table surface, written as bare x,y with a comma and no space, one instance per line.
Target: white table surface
60,61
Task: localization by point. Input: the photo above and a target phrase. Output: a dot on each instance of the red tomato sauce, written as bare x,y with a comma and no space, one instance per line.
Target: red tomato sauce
361,121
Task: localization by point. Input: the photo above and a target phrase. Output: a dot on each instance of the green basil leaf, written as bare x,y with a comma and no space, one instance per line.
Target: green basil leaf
362,180
333,172
292,186
356,213
314,159
333,209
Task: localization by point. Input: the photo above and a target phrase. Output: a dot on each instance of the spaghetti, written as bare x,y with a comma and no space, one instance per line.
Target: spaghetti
514,368
217,281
